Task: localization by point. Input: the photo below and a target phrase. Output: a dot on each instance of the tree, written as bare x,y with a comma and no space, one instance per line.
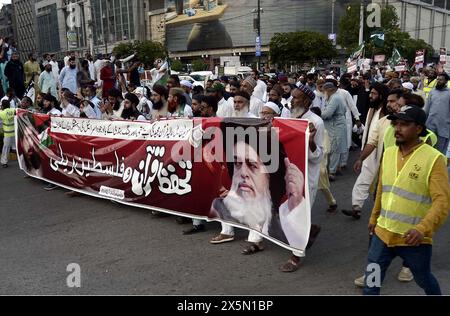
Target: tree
348,36
198,65
394,38
147,51
177,66
296,48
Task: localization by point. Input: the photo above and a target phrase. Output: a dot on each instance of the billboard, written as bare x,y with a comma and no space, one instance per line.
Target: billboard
214,24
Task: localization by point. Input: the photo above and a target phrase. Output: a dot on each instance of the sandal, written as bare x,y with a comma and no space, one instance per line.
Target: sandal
291,265
332,209
356,214
252,249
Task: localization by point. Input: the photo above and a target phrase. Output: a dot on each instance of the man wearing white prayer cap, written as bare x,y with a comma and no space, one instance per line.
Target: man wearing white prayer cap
187,87
269,111
408,85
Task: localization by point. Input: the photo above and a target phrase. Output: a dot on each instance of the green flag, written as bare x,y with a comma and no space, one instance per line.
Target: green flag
394,60
377,38
358,53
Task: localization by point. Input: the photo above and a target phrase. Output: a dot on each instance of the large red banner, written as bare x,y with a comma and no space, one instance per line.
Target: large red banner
248,173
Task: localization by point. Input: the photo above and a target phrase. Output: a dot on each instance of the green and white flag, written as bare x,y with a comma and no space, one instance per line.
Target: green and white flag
394,60
377,38
358,53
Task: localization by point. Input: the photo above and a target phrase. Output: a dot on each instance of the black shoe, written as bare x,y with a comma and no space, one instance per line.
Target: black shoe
356,214
314,232
4,166
195,229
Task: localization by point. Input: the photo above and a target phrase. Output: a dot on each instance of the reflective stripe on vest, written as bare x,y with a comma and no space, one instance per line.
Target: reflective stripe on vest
406,198
389,138
401,217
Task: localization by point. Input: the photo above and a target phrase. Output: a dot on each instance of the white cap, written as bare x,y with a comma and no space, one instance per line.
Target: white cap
273,107
330,77
186,83
408,85
139,90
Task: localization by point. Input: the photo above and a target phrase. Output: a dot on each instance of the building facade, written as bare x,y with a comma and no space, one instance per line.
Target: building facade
426,19
50,26
229,27
6,21
24,18
156,21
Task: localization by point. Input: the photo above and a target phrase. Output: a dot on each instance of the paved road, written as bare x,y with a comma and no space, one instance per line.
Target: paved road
123,250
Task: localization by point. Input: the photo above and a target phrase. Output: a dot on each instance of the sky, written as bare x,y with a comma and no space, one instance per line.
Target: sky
2,2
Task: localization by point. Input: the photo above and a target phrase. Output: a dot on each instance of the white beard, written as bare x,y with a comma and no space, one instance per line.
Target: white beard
297,112
256,213
240,113
319,94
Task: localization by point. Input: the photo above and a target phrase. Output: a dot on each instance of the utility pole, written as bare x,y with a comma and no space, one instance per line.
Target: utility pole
333,4
90,26
259,32
361,23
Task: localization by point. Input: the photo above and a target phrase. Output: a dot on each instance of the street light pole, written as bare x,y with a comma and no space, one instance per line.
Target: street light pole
361,23
259,32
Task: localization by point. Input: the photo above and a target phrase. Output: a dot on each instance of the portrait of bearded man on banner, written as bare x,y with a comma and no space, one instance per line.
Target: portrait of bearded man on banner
267,190
32,139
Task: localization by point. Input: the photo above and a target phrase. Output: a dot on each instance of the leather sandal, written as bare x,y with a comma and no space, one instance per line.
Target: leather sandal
252,249
291,265
332,209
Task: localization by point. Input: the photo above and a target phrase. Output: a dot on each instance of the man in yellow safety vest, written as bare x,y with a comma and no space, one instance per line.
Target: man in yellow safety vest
7,118
413,200
430,82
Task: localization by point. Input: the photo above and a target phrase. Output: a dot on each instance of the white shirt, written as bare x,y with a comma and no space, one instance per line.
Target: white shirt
225,107
319,101
286,102
98,65
55,69
70,111
92,70
13,104
315,158
54,112
96,101
256,105
285,112
349,103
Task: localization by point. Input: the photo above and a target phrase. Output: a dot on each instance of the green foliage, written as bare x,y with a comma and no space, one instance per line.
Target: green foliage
348,36
296,48
147,51
198,65
177,65
394,38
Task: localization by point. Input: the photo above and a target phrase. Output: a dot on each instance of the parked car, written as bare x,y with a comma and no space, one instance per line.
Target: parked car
202,76
192,80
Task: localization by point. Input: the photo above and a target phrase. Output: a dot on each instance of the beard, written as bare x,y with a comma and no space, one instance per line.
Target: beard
240,113
255,213
197,113
440,87
297,112
320,94
158,105
374,104
286,95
